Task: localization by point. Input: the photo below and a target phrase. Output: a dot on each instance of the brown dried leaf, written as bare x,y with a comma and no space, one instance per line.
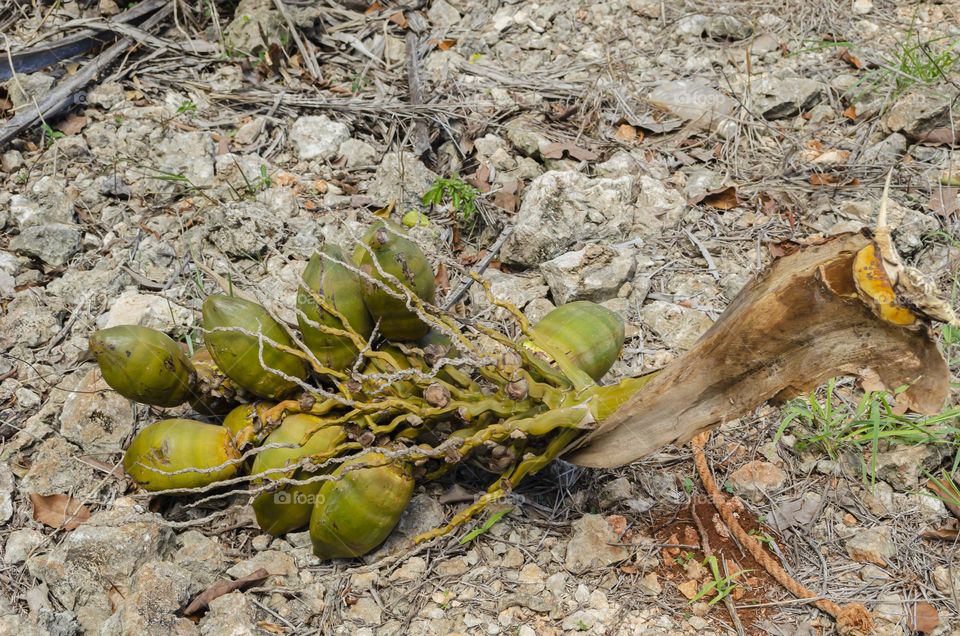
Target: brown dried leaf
924,618
72,124
723,199
399,19
441,279
850,112
945,201
556,150
58,511
626,133
224,586
940,137
850,58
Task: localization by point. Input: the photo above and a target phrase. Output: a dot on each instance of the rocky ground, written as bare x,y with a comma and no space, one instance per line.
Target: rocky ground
644,153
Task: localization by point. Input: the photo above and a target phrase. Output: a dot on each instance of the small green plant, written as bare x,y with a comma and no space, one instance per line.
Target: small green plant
916,61
489,523
186,107
836,425
724,585
50,134
461,196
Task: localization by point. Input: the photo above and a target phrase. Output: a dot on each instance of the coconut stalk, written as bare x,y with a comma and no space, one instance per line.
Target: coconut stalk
844,305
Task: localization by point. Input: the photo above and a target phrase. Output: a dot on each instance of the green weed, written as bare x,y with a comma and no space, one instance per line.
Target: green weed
461,196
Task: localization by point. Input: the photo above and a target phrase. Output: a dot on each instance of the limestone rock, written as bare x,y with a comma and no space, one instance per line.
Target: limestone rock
754,480
318,136
594,273
56,469
96,417
776,98
230,615
593,545
99,555
677,326
146,310
872,545
20,544
917,112
53,243
561,208
401,177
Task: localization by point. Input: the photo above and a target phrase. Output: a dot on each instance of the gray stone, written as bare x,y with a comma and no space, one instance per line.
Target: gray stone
201,555
159,589
27,88
401,177
525,137
95,417
230,615
423,513
11,161
512,288
903,466
441,14
697,101
20,544
146,310
727,27
98,556
776,98
357,153
106,95
595,272
275,562
872,545
886,152
593,545
318,137
250,131
244,228
658,206
188,154
917,112
756,480
54,244
6,494
537,309
677,326
27,323
251,19
562,208
57,469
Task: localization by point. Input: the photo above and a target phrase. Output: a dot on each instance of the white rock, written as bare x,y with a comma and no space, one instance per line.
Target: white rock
441,14
593,545
95,417
756,479
677,326
512,288
560,208
230,615
872,545
20,544
147,310
189,154
318,136
6,493
357,153
862,7
594,273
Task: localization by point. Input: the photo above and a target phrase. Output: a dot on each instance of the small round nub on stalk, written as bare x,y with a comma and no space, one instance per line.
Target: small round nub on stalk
517,390
437,395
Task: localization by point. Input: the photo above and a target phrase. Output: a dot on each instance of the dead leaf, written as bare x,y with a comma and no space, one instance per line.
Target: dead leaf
273,628
72,124
224,586
442,45
949,532
945,201
651,125
626,133
924,618
940,137
441,279
373,8
399,19
58,511
850,112
556,150
850,58
822,179
795,512
689,588
724,199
